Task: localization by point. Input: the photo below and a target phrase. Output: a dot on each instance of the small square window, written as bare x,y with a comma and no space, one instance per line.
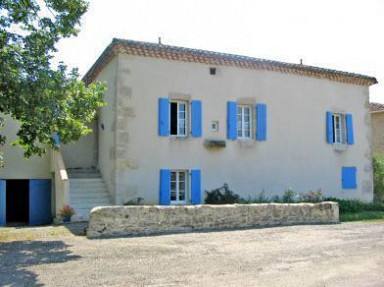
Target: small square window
212,71
215,126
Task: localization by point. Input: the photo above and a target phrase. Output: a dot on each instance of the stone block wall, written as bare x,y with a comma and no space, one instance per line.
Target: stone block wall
141,220
378,133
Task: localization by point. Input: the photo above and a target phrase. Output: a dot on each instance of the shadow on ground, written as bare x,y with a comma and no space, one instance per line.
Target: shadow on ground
16,257
77,228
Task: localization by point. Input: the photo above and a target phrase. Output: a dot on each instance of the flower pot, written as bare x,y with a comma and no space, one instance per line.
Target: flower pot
66,218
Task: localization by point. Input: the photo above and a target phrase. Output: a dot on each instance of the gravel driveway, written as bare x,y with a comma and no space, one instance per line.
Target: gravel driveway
348,254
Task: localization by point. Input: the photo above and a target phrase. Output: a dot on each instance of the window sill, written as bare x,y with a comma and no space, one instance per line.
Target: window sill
339,147
173,137
246,142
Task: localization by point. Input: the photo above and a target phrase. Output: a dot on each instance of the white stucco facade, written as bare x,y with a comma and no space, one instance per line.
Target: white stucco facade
126,147
295,155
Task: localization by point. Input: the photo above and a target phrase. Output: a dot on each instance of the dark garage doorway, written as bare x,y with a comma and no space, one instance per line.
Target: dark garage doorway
17,202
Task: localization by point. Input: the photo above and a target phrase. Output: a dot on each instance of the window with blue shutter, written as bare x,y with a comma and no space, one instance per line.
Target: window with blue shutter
348,177
40,202
261,122
3,200
196,118
195,186
349,123
165,185
163,117
231,120
329,127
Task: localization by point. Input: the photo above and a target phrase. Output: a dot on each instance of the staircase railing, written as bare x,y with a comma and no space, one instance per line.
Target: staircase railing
61,180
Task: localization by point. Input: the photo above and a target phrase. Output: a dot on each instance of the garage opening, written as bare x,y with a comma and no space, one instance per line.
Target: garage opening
17,194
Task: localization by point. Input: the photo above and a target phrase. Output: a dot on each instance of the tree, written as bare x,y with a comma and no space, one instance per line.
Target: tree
46,100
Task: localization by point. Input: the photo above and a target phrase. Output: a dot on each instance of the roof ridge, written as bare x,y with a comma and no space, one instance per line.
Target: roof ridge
220,58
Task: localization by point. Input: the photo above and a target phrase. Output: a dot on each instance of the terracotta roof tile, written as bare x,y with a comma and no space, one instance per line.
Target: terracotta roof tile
153,50
377,107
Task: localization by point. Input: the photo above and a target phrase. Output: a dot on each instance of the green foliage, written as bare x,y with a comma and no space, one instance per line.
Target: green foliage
288,195
45,100
378,177
355,206
363,215
222,195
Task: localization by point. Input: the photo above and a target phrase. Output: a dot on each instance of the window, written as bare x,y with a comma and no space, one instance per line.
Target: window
338,128
244,122
179,118
179,187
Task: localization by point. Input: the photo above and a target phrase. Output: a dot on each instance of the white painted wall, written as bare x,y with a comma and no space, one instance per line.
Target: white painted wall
295,155
16,165
82,153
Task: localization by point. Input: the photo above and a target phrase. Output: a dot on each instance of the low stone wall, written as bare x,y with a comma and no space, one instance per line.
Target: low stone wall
112,221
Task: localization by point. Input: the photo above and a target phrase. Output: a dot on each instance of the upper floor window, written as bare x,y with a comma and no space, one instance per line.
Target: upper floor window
338,128
244,122
179,118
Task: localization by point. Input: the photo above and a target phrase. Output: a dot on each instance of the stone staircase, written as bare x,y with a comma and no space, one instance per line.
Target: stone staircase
87,190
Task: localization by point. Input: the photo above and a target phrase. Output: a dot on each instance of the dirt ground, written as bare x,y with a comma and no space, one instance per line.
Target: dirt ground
348,254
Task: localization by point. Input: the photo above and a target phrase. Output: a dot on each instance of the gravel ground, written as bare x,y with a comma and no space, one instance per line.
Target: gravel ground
348,254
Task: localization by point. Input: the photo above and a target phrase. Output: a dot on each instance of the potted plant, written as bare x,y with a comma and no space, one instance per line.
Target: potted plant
67,212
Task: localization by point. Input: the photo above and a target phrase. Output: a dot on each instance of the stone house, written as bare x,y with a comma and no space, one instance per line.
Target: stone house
180,121
377,117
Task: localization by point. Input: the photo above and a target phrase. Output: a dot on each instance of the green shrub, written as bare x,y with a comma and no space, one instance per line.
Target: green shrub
222,195
355,206
288,196
378,178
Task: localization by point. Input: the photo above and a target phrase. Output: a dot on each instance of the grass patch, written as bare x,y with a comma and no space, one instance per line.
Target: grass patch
362,215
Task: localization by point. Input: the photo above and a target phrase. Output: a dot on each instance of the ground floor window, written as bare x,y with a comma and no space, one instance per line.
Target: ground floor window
179,187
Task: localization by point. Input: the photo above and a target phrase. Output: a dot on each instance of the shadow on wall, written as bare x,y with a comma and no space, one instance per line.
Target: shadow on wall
16,257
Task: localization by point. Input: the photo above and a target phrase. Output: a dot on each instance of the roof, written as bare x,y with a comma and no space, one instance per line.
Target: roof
174,53
377,107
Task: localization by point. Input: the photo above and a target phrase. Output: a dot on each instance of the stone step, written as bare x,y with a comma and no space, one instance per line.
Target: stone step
89,206
86,180
88,189
77,196
87,175
89,201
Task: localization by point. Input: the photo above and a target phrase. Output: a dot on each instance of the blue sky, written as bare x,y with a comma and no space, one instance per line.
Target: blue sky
338,34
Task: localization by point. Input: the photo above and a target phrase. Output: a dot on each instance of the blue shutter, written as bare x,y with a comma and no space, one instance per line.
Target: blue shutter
40,202
56,139
349,123
3,199
231,120
261,112
165,187
196,118
348,177
195,186
163,117
329,127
